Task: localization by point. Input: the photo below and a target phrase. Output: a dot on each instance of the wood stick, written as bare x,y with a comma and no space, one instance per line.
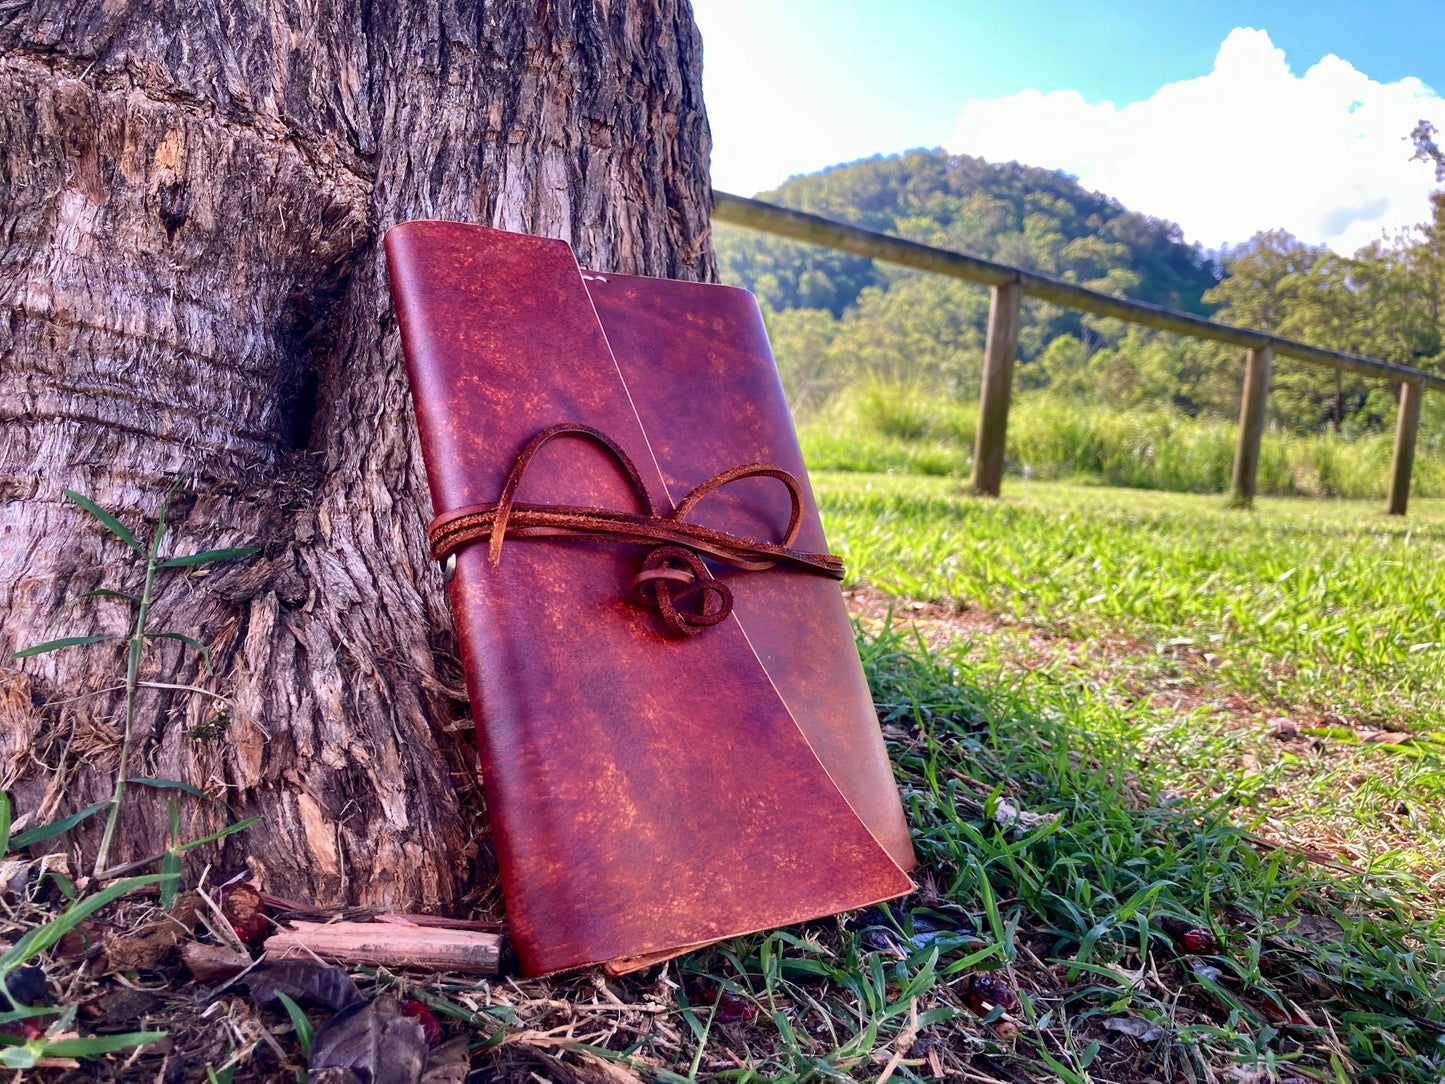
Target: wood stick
1406,426
385,944
1251,422
998,379
440,921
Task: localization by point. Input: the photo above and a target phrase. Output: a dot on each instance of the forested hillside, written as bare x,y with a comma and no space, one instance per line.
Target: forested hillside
844,327
1011,213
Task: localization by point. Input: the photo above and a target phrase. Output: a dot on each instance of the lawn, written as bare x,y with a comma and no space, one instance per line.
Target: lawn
1293,654
1174,773
1183,683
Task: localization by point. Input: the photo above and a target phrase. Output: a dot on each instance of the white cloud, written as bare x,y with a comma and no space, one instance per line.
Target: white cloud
1248,147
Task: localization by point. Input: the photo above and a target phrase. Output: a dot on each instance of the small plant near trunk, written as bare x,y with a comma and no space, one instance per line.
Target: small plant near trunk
136,641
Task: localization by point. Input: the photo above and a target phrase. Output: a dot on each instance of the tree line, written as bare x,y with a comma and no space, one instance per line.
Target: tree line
838,321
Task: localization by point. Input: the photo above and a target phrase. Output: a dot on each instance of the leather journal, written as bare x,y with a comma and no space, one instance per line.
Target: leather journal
677,742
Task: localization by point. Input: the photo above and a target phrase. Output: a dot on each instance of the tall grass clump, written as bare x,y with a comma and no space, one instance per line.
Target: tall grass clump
899,428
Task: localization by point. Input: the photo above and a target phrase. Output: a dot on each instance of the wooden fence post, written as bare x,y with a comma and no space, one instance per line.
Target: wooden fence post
998,377
1251,422
1405,429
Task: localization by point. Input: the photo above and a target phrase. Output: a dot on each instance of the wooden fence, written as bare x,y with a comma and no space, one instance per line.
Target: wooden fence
1011,284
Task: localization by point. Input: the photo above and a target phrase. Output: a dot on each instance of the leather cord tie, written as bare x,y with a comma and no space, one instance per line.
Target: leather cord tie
673,574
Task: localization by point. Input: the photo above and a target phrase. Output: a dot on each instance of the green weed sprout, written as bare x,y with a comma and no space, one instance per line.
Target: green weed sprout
136,641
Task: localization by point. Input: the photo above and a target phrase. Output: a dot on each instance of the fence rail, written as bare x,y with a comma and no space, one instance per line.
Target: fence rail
1011,283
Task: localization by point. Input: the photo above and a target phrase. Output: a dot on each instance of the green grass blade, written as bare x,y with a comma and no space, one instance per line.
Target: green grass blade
226,831
55,828
208,556
304,1031
63,642
172,784
170,867
25,1012
192,641
155,548
117,528
106,592
64,883
19,1057
99,1044
4,822
43,937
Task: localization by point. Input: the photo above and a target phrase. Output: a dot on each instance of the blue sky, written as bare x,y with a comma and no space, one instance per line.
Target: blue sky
1222,130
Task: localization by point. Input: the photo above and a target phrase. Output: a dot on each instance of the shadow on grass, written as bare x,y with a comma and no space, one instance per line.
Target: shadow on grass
1072,921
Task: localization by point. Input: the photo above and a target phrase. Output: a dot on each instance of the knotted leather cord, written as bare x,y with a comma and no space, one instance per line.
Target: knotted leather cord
674,571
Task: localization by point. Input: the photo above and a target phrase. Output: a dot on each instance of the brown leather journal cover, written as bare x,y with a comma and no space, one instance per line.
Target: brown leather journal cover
647,794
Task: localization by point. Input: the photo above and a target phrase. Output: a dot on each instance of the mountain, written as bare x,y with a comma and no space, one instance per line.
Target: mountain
1035,218
839,321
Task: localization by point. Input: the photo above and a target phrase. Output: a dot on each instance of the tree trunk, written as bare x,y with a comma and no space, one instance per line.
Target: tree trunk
191,284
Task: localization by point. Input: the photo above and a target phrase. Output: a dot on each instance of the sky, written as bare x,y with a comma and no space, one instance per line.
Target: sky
1227,118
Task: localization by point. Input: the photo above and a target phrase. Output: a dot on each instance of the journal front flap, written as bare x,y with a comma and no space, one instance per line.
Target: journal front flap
706,390
645,793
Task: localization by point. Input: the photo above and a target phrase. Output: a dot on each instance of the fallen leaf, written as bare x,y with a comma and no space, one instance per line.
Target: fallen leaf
27,986
75,941
14,876
324,984
449,1063
120,1007
1319,929
1206,971
609,1069
372,1039
213,963
145,947
1136,1027
876,929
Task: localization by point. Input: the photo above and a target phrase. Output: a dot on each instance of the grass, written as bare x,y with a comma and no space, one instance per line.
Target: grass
881,428
1328,608
1131,731
1170,629
1312,976
1127,873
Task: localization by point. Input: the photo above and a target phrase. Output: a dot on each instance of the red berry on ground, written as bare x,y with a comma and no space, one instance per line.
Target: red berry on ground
240,901
252,930
986,990
1198,942
732,1008
430,1027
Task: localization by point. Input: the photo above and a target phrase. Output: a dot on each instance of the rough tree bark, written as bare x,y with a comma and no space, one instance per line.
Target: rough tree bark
191,282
